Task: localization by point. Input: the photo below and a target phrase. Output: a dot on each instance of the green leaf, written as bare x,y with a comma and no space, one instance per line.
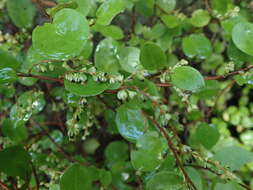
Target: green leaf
200,18
15,161
129,59
7,75
242,36
130,122
197,45
228,186
170,21
65,38
166,5
112,31
195,177
165,180
187,78
21,12
109,9
106,56
15,130
105,177
148,157
90,88
76,177
60,6
233,157
116,151
222,6
7,60
145,160
207,135
152,57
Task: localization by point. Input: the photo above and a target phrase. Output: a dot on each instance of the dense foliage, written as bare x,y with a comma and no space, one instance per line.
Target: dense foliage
126,94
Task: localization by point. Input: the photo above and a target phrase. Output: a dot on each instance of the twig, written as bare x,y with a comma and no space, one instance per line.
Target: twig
40,77
174,151
66,155
208,6
222,77
4,186
45,3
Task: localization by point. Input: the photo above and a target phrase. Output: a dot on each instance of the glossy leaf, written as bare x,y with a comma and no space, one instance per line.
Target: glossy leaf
129,59
187,78
65,38
148,157
207,135
90,88
242,36
165,180
106,56
7,75
197,45
145,160
76,177
18,162
130,122
233,157
109,9
152,57
22,12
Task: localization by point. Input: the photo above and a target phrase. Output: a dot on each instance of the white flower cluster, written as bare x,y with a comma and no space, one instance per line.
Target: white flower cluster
124,94
230,66
181,63
76,77
8,38
231,13
162,114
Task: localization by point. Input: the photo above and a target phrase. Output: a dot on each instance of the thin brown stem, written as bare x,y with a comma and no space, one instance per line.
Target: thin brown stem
222,77
40,77
174,151
4,186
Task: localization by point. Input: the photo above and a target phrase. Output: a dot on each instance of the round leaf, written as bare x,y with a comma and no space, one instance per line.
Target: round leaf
91,88
109,9
106,59
207,135
242,36
197,45
152,56
129,59
200,18
187,78
165,181
130,122
63,39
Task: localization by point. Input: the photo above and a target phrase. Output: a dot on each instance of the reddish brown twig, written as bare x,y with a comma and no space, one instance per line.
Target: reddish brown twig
40,77
173,149
222,77
4,186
